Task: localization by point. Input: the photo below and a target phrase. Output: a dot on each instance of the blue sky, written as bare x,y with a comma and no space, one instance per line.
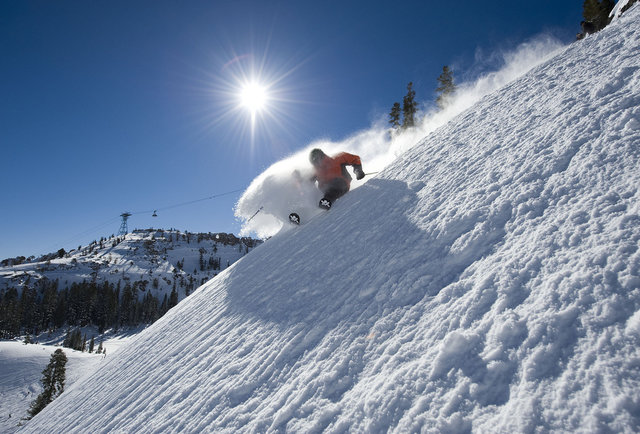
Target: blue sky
132,106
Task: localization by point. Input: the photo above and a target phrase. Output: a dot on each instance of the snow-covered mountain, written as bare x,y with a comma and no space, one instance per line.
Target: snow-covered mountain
152,261
488,280
161,258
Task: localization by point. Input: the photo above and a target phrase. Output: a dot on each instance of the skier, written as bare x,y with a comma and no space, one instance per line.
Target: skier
331,174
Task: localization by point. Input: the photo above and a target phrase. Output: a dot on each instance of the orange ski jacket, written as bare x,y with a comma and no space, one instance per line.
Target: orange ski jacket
334,167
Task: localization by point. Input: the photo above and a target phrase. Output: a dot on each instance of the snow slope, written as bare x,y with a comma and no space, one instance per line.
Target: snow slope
22,367
487,281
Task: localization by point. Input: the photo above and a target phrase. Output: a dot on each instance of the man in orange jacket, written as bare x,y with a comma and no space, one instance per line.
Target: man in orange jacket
332,176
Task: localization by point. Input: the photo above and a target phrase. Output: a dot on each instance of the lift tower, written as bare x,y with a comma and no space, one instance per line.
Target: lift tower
123,226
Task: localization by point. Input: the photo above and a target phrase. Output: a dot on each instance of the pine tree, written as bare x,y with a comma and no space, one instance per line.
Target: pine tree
59,315
597,12
127,305
53,378
606,6
29,308
91,344
10,316
394,116
49,301
173,299
67,339
73,340
164,306
446,87
409,107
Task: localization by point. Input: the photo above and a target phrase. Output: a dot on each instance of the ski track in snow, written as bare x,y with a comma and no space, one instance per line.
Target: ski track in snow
488,280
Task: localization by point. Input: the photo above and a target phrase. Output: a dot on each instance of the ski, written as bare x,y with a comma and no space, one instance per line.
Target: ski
325,203
294,218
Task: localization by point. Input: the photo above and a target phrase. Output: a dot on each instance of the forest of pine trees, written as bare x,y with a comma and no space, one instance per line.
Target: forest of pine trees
105,305
42,306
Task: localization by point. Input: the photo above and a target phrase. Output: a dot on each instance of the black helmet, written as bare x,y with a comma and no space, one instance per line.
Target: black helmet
316,155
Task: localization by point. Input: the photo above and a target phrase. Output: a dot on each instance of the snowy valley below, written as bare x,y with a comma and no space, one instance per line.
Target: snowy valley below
488,280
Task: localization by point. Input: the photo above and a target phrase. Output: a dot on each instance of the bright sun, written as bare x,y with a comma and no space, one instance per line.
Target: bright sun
253,97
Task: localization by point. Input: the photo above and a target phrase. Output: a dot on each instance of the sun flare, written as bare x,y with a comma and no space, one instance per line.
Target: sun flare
253,97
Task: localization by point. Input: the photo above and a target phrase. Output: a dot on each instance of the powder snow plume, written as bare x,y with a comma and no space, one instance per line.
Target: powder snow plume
265,205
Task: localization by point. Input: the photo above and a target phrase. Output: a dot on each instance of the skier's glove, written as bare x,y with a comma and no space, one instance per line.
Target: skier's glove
359,172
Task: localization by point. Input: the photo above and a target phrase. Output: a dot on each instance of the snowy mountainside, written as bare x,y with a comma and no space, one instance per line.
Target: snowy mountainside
158,257
487,281
21,373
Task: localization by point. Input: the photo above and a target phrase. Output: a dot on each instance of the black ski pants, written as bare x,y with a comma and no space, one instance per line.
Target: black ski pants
336,188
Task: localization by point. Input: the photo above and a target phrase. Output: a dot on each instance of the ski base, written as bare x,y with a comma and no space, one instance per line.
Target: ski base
294,218
325,203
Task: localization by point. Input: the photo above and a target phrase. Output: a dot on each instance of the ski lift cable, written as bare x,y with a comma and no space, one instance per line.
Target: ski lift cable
188,202
112,220
80,235
154,211
93,229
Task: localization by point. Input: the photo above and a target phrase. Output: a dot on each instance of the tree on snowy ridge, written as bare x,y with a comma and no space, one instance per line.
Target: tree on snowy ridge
409,107
597,13
394,116
53,378
446,87
606,6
